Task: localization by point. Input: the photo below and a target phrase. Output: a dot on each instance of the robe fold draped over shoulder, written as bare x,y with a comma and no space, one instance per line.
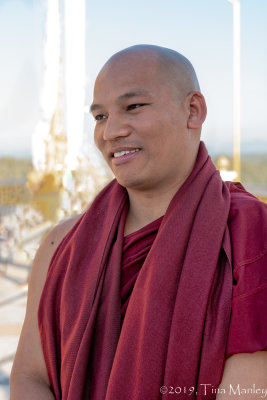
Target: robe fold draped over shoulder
176,326
135,249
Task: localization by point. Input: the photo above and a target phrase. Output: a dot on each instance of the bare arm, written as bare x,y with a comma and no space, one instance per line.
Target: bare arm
244,377
29,379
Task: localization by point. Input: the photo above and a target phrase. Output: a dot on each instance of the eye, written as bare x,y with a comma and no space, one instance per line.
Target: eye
134,106
99,117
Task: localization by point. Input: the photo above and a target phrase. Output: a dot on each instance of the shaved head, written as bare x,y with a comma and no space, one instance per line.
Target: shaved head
147,103
174,69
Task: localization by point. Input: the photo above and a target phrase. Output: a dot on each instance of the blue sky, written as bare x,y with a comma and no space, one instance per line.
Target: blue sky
200,29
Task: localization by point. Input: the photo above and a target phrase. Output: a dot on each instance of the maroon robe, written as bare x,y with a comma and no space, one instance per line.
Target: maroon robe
248,323
175,330
135,249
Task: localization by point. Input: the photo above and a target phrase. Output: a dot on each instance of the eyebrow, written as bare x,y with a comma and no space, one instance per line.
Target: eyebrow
125,96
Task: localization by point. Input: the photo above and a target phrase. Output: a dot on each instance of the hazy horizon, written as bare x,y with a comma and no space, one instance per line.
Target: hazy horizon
200,29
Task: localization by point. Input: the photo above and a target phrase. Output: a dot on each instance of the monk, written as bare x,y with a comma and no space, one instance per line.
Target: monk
159,290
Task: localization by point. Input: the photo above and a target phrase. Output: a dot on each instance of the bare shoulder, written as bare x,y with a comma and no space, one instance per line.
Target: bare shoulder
56,235
43,258
29,360
47,249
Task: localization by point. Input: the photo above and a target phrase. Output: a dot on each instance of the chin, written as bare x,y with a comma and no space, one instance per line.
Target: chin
127,183
134,184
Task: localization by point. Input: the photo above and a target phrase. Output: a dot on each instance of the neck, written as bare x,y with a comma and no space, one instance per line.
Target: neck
147,206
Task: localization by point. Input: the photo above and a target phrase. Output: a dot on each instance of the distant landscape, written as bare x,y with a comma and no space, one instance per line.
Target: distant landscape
254,168
14,168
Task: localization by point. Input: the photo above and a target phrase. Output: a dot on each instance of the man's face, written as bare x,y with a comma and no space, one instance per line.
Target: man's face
141,130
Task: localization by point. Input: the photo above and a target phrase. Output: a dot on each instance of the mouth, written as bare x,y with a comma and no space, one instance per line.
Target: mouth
124,152
122,155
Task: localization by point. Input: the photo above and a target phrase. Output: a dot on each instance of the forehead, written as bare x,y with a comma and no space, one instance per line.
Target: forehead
124,74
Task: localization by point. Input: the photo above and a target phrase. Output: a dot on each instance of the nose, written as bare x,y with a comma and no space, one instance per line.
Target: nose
115,128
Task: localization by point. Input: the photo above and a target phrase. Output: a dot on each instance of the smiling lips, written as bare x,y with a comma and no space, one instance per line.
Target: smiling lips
124,152
120,156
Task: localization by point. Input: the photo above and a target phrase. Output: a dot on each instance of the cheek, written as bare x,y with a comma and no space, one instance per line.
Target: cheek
100,144
97,140
162,140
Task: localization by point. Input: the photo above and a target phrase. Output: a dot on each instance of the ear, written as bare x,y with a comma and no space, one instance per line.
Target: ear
197,110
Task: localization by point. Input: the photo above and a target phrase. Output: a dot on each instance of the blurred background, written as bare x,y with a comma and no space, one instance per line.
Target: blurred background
51,52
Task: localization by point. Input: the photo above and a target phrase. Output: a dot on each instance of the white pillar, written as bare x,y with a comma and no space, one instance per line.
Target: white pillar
75,77
236,88
48,100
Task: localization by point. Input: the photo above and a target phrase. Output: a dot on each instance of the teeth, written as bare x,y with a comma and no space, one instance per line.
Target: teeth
122,153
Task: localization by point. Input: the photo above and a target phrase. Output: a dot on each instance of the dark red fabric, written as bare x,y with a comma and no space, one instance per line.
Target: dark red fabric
176,326
135,248
248,229
248,323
